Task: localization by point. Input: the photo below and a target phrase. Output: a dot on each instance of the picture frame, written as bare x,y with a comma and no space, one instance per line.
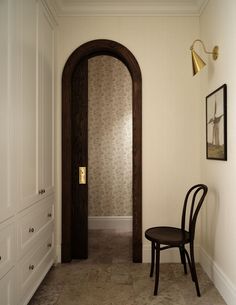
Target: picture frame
216,124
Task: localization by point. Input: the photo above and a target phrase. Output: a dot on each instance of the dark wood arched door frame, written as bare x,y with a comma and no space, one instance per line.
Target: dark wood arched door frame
88,50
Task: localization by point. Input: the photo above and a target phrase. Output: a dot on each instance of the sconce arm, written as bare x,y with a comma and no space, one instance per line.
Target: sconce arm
215,51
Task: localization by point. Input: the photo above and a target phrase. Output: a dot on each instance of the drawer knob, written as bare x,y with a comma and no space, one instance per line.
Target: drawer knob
0,258
49,245
40,192
44,191
49,215
31,230
31,267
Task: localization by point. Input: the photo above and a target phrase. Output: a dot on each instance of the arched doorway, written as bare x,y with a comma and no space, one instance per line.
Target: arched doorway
88,50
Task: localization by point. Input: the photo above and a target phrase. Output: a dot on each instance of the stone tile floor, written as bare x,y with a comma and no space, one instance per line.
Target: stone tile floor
109,277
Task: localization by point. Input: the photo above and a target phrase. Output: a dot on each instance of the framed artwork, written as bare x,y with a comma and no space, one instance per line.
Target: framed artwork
216,124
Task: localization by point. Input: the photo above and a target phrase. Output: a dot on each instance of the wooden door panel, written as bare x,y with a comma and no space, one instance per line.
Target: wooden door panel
79,158
46,36
28,110
46,104
90,49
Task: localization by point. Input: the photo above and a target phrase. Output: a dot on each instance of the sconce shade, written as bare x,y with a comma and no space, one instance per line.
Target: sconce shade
197,62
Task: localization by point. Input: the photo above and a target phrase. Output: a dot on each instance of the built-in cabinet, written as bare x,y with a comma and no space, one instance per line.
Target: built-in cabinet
36,112
26,148
7,119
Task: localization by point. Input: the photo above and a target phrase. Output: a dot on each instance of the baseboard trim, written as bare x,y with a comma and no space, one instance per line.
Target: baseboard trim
58,254
118,223
167,256
218,277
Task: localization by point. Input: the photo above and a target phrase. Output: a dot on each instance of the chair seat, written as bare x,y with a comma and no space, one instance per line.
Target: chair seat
168,236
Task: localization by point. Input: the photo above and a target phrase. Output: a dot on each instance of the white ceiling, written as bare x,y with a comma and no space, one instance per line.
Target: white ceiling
126,7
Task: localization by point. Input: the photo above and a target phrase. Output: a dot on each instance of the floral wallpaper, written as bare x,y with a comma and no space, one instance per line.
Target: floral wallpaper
109,137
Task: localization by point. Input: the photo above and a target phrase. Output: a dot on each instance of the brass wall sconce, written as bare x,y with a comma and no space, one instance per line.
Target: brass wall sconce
197,62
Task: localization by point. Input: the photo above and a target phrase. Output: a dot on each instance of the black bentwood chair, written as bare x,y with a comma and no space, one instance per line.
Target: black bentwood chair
172,237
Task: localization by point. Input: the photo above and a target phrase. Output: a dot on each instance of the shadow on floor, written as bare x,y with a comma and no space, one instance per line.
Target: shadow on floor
109,277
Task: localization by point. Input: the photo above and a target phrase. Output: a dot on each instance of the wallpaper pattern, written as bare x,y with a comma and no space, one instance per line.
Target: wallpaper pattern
109,137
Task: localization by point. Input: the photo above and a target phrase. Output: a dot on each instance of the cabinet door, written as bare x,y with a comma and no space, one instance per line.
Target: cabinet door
28,139
7,111
7,247
8,294
46,103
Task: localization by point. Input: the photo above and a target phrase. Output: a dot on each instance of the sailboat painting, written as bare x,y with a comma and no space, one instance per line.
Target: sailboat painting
216,124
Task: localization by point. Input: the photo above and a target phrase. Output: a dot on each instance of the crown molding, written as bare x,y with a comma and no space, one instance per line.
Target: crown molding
50,9
202,5
65,8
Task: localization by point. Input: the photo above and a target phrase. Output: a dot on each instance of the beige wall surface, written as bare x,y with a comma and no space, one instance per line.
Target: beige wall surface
217,26
171,105
109,137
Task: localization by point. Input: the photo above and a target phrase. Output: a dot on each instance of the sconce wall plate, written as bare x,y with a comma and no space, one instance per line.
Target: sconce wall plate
215,52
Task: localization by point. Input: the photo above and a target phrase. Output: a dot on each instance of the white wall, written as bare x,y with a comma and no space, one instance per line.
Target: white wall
171,105
218,244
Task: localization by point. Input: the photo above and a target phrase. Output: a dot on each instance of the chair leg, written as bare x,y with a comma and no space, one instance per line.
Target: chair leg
183,258
194,273
189,263
157,248
152,259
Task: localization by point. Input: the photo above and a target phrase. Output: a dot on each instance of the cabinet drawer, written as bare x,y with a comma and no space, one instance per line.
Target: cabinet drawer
7,248
32,223
8,289
31,267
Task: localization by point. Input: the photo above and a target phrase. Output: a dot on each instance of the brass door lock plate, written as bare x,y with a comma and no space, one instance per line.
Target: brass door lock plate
82,175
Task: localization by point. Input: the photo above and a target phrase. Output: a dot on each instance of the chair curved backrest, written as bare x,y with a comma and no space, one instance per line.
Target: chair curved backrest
196,196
